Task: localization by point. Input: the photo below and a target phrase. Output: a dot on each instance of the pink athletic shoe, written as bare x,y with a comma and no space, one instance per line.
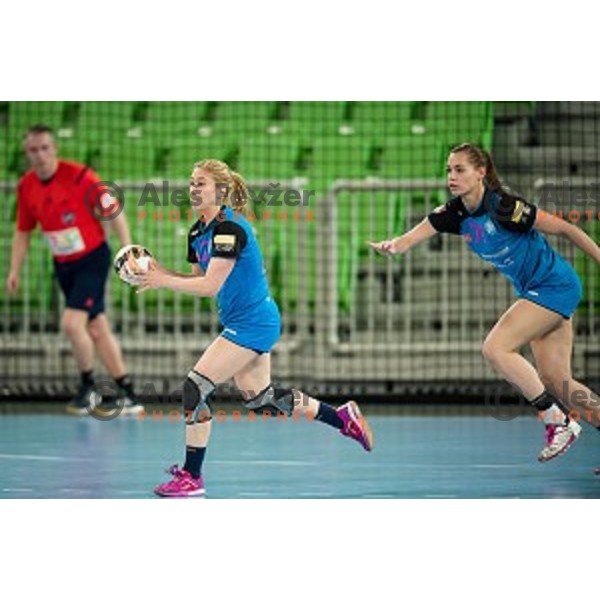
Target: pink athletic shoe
559,439
355,425
181,486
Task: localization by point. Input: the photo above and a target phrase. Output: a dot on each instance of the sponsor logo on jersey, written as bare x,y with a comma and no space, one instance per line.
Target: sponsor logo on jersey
68,218
224,242
518,212
476,232
490,227
203,250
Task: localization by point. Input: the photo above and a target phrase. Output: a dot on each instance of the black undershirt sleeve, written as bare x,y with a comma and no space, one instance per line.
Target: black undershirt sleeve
446,218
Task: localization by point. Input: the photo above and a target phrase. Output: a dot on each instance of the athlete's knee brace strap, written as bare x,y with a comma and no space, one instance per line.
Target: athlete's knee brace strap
197,391
272,399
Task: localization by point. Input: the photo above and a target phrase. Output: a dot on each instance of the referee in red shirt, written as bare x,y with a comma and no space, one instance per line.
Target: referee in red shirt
54,193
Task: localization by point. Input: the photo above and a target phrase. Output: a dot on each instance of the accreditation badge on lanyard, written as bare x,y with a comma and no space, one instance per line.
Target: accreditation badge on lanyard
65,241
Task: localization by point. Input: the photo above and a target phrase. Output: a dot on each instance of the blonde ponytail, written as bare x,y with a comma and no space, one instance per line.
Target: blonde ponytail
235,188
239,193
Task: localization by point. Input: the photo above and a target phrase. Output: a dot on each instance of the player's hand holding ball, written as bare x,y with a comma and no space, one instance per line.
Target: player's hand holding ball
131,262
135,265
154,278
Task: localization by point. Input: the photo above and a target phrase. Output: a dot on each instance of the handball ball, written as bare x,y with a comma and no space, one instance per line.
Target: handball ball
130,261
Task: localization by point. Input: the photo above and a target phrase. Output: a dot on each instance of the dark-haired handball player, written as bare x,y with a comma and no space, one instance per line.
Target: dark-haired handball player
65,198
227,263
506,231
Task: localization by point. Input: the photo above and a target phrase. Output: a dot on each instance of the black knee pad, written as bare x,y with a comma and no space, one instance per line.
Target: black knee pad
272,399
197,391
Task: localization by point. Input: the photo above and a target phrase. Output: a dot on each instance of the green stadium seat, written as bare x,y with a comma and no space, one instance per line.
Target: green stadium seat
17,163
103,112
306,133
178,160
514,109
457,122
376,120
72,150
104,121
22,115
339,158
452,133
314,113
5,158
129,160
307,121
174,112
472,111
246,112
421,157
382,111
4,116
169,123
269,157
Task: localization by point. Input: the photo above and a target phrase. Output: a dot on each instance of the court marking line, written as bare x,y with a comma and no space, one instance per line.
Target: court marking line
375,496
277,463
440,496
492,466
48,458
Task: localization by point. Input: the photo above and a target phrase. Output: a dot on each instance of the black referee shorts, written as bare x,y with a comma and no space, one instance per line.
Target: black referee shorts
83,281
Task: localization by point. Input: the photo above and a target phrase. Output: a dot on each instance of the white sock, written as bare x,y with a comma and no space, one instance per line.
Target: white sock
554,416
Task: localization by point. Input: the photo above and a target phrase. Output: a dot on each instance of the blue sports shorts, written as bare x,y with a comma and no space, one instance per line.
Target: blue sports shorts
258,330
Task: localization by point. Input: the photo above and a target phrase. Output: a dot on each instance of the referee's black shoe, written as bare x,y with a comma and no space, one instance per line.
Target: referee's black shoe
86,400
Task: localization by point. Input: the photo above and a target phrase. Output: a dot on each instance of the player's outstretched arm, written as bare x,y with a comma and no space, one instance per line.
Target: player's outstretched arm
195,272
207,285
399,245
550,224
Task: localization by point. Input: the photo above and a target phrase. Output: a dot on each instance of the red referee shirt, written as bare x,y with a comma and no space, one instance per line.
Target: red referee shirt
59,205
